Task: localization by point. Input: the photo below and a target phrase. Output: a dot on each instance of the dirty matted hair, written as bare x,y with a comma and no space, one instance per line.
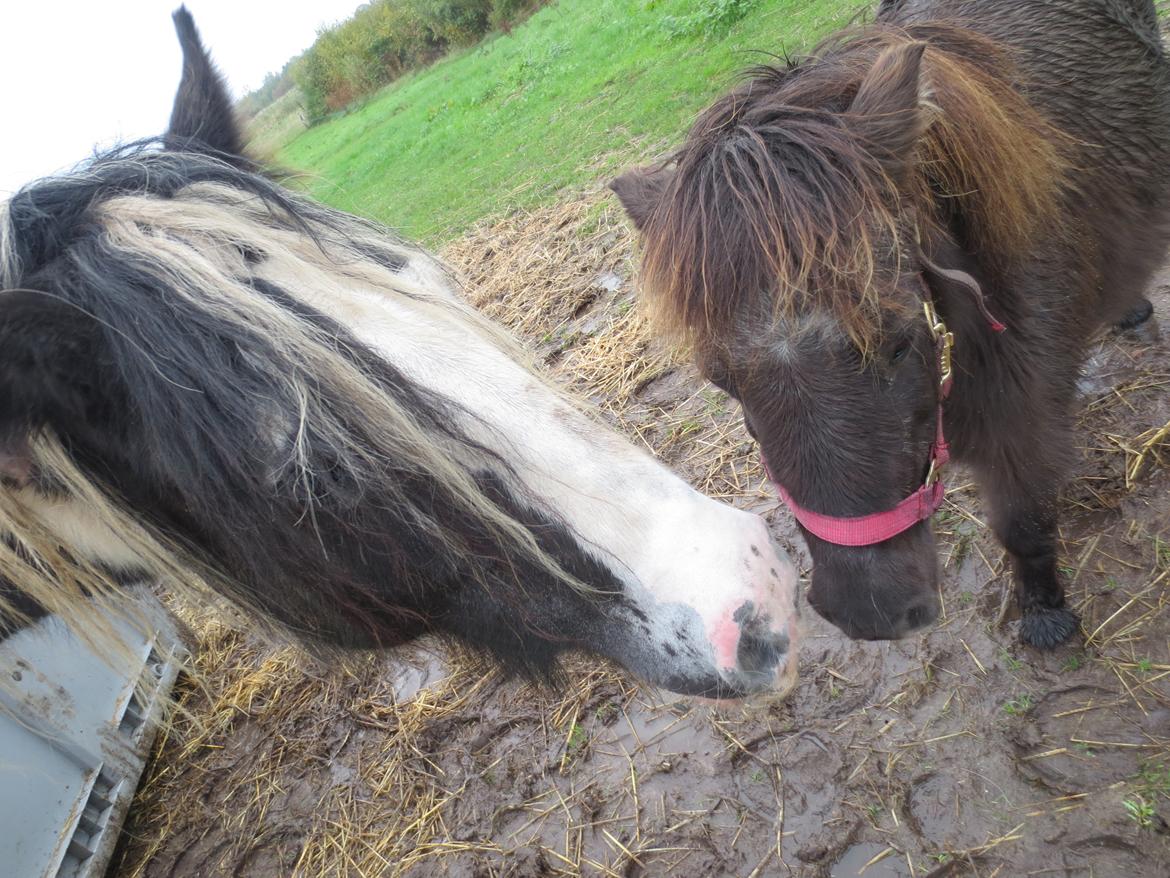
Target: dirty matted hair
188,411
804,186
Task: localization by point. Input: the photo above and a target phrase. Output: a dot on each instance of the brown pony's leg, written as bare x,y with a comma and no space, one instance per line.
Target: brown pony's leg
1022,500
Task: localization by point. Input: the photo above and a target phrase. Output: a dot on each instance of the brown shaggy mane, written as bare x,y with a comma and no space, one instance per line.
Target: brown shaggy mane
775,196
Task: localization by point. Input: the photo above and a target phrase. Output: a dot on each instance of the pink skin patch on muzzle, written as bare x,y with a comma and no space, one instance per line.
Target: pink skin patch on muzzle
754,643
725,640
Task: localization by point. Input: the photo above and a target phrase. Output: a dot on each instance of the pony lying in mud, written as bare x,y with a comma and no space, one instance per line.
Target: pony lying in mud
208,379
999,167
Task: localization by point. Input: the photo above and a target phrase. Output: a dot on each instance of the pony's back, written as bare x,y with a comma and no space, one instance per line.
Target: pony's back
1097,69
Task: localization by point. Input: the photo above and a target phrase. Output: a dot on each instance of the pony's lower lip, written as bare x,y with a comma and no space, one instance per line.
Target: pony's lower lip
782,686
773,690
759,700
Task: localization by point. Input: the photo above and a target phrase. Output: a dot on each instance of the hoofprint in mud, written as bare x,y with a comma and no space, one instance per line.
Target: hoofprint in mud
955,751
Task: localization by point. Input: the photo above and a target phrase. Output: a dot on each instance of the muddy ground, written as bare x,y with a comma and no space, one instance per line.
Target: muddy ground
956,752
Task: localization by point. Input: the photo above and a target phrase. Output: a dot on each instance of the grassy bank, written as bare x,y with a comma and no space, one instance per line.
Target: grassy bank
581,89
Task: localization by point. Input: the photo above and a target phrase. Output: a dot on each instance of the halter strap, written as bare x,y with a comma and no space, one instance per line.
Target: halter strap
866,530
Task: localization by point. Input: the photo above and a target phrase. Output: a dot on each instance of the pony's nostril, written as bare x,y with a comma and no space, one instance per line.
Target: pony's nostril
761,651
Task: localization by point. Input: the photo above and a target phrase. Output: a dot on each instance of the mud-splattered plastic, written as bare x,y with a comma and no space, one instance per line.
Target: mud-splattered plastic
75,731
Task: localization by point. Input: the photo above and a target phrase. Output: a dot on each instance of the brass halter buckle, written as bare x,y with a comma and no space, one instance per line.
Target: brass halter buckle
944,339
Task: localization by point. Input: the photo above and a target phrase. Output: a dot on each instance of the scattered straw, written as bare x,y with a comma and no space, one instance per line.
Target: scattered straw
276,766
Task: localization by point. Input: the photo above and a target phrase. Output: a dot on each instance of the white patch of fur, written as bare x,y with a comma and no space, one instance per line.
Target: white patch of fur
688,562
668,544
788,335
81,530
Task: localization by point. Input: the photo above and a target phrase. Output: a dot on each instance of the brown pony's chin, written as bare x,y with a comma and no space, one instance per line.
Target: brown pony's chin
880,592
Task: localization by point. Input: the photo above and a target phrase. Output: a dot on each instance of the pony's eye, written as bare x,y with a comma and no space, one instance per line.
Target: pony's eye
900,352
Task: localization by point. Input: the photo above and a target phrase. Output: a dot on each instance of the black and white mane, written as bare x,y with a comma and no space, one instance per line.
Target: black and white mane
208,378
263,417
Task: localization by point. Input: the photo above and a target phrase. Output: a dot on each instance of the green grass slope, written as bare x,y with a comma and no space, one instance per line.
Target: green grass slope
583,88
276,125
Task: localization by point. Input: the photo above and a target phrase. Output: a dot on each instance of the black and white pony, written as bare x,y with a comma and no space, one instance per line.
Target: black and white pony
208,379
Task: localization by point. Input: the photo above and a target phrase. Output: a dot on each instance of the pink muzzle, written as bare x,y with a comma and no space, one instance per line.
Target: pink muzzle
867,530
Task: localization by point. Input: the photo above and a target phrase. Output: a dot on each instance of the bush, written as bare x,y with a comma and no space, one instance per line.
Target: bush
382,41
456,22
354,58
506,13
712,17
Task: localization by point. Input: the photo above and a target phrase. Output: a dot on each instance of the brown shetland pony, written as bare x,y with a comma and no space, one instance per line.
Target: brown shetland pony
1006,157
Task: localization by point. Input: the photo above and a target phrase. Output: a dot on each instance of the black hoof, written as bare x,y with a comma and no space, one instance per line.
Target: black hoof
1048,627
1137,316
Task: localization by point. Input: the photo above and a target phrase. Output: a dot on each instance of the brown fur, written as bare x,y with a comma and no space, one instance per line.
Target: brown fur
732,221
1021,145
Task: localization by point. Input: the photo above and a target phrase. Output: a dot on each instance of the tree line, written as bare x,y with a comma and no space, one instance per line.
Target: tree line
383,40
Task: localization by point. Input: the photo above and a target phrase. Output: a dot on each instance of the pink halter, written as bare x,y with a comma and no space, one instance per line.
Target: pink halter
866,530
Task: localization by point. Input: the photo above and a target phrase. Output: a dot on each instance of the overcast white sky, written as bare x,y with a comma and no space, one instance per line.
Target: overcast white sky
75,73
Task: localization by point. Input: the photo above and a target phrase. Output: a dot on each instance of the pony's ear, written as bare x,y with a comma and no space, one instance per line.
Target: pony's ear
202,119
889,113
640,192
48,375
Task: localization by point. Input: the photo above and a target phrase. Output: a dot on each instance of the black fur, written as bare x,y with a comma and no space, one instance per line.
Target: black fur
163,403
1137,316
849,435
26,609
159,401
